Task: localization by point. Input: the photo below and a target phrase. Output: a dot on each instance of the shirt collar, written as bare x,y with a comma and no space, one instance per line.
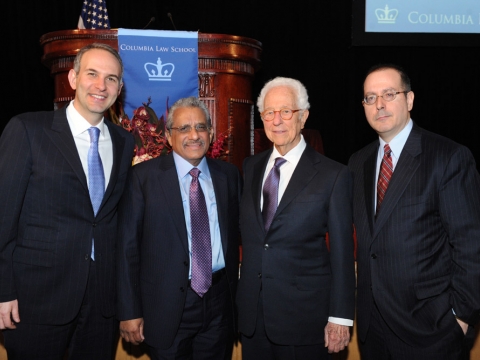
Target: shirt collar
398,142
293,156
77,122
184,167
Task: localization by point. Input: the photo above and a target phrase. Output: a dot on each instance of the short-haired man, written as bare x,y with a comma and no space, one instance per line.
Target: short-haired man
296,295
417,216
162,296
62,174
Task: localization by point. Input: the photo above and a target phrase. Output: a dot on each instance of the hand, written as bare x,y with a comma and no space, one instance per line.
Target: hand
132,330
463,325
9,312
337,337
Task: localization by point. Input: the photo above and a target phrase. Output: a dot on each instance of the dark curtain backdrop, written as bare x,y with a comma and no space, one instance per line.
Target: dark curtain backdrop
305,39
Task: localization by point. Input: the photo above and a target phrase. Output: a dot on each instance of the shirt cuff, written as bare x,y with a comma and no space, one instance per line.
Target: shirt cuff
340,321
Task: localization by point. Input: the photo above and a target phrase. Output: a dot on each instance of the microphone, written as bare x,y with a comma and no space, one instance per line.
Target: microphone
152,19
171,20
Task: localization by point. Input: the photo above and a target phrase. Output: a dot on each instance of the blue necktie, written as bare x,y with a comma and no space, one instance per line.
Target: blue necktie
201,242
96,178
270,193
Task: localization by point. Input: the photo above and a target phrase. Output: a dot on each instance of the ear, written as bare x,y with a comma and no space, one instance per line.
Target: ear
72,79
410,97
304,117
169,137
211,135
120,88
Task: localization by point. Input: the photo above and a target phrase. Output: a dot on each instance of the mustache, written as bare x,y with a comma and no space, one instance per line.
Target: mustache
194,142
381,113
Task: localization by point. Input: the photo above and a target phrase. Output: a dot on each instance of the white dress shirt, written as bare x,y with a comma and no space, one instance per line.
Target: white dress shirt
79,128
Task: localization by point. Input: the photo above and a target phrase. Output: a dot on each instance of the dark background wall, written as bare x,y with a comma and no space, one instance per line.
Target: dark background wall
304,39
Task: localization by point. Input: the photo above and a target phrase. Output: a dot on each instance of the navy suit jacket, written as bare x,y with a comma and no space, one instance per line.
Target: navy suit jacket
153,256
47,221
302,281
420,258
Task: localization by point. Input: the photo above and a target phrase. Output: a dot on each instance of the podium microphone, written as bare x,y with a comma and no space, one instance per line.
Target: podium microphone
152,19
171,20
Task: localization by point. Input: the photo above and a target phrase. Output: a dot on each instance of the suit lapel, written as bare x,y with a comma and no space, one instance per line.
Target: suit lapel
257,179
62,138
405,169
302,175
369,182
118,144
169,184
219,180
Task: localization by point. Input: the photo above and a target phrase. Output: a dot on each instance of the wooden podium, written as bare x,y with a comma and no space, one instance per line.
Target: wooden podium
226,67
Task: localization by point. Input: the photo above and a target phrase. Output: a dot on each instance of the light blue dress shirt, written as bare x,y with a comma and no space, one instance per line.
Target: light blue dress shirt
184,178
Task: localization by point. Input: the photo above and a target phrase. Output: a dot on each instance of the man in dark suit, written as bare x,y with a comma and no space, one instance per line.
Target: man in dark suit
158,252
296,294
56,244
418,232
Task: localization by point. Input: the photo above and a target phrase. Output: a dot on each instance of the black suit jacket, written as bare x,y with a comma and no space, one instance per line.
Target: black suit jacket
47,221
303,283
420,258
153,256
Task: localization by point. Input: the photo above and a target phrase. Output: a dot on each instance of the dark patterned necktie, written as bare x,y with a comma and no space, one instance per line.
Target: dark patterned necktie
96,177
201,242
386,171
270,193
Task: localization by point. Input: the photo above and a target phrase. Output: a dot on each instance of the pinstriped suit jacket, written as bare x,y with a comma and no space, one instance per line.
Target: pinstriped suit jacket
421,257
47,221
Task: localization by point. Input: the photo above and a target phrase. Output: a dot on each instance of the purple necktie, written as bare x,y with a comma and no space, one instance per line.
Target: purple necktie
270,193
96,177
201,243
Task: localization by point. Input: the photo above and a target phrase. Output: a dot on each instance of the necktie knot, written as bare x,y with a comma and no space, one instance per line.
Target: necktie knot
387,150
195,173
94,133
279,161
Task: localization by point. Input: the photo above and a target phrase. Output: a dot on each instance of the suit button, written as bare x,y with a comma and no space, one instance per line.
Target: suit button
266,246
87,256
182,289
259,275
94,224
373,256
185,263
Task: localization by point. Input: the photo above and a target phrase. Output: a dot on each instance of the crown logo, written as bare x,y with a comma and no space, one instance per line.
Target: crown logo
159,71
386,16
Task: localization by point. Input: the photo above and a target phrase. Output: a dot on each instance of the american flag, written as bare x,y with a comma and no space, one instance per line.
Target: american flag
94,15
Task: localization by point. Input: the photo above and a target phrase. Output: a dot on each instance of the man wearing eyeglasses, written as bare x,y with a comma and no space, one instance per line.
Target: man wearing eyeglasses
417,216
178,249
296,294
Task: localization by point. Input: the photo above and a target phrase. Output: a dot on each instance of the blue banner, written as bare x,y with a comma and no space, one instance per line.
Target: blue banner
422,16
160,68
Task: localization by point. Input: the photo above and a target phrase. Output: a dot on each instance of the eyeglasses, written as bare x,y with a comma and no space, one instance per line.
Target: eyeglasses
285,114
388,96
185,129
